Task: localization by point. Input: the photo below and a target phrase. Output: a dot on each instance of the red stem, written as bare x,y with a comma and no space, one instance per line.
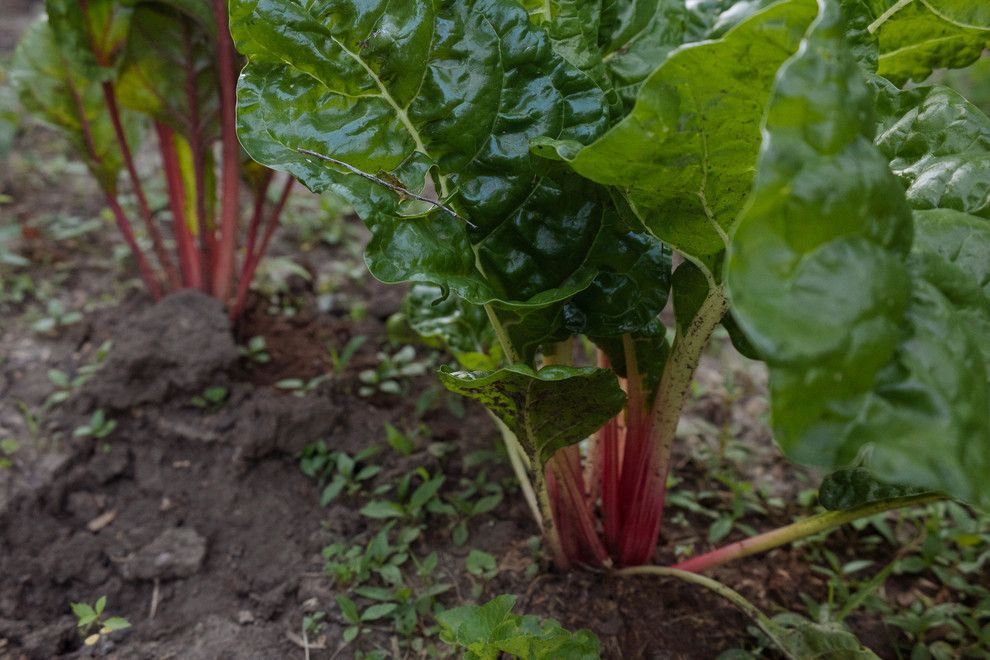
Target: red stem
204,225
192,274
224,272
123,223
251,260
110,98
125,228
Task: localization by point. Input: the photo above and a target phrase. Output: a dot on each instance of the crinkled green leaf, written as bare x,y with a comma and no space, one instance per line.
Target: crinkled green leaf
438,99
487,631
629,292
874,346
452,323
91,34
573,26
685,155
938,143
65,98
852,487
547,409
915,40
637,35
800,638
964,13
166,53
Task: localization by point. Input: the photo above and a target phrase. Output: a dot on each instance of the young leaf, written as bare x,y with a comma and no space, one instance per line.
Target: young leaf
800,638
876,356
92,34
547,409
486,631
685,155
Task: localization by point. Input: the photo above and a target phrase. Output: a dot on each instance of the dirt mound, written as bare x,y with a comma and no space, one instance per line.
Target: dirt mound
179,346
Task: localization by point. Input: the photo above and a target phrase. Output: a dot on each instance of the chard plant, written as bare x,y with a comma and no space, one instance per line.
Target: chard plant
105,72
543,161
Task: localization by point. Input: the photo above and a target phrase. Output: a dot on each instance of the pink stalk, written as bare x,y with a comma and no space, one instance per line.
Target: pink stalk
189,262
224,268
816,524
123,223
251,260
125,228
204,225
110,98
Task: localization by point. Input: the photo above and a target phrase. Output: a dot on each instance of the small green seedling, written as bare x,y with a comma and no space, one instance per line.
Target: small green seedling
97,427
56,317
300,387
212,398
487,631
398,440
255,351
90,617
340,359
8,447
391,369
338,472
410,503
483,567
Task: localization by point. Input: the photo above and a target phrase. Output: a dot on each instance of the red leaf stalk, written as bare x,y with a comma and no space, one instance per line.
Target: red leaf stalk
224,268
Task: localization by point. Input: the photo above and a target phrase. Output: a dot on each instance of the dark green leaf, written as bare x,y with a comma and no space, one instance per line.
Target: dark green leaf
852,487
546,409
637,35
651,355
629,292
444,100
685,155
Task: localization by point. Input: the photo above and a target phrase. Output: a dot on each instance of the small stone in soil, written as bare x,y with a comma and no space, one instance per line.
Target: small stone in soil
244,617
178,552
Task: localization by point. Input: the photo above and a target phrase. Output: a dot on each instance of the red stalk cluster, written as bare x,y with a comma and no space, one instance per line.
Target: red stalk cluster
622,476
205,248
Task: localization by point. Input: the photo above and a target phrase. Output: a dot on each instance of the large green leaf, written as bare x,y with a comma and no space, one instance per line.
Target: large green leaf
487,631
64,97
874,346
169,54
547,409
685,155
938,143
914,39
436,99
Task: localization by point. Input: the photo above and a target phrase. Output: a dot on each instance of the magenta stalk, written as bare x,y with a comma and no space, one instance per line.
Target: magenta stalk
823,522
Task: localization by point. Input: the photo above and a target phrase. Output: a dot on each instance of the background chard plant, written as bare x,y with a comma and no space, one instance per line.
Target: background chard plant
542,163
105,72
